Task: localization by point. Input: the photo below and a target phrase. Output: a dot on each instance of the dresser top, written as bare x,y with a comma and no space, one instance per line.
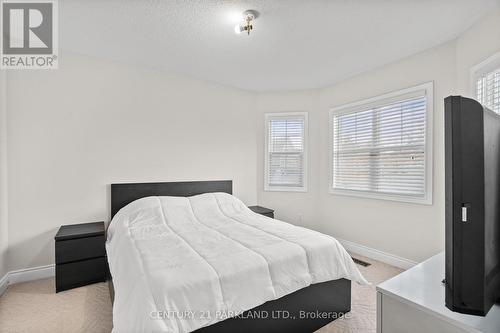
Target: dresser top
83,230
421,287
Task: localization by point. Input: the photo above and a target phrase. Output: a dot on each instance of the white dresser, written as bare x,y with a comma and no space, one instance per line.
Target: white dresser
413,301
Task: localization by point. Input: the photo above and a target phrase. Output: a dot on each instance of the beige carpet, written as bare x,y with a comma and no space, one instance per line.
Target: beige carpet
35,307
363,315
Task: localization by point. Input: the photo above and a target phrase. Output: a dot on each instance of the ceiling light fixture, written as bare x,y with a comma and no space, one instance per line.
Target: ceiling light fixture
247,25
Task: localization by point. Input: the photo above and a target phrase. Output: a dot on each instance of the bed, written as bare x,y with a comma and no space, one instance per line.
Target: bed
189,256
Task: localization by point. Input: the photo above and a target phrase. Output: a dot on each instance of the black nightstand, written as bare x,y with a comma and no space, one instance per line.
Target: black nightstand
263,211
80,255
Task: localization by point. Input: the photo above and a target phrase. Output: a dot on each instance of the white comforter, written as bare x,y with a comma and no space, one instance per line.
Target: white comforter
179,264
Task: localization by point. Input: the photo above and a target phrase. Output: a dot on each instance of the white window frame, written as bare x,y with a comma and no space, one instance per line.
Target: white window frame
489,65
428,153
305,176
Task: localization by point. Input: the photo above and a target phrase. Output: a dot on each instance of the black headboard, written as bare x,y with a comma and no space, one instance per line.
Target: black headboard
123,194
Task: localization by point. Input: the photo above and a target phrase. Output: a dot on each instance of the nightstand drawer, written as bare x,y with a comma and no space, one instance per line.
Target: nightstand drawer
79,249
80,273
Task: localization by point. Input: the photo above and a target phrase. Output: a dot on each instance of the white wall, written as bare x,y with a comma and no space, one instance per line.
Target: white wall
296,207
408,230
75,130
476,45
3,176
411,231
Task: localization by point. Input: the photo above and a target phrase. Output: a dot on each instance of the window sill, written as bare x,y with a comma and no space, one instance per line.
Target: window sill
427,201
285,189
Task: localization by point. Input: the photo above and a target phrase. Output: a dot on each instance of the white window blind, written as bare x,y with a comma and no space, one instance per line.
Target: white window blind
379,148
285,165
488,90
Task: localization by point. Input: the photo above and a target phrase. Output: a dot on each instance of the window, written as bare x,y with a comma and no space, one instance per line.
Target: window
486,83
381,148
286,152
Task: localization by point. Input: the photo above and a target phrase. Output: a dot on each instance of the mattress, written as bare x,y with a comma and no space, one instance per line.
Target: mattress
179,264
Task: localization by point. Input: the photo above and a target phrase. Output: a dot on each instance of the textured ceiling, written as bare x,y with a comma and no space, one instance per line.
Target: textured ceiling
296,44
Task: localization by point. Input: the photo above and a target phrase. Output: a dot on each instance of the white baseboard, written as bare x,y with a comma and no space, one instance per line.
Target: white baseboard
30,274
372,253
25,275
4,283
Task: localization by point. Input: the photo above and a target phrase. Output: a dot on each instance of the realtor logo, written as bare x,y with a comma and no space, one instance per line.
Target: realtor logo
29,34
